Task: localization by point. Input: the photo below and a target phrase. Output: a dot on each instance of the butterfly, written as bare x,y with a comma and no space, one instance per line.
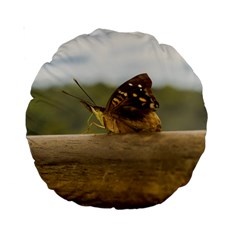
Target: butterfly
131,107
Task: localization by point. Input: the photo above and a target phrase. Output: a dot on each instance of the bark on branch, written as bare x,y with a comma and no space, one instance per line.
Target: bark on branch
119,170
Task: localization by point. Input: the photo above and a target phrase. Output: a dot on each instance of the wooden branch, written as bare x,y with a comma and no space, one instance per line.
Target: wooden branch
119,170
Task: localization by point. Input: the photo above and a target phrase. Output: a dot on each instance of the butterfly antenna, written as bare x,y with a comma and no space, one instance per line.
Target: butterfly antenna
86,104
71,95
83,91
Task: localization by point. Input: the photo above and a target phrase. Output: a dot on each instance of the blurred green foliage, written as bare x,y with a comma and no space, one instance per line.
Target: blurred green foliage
53,112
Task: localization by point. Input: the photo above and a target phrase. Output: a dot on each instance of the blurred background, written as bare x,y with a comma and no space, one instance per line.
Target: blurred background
53,112
101,61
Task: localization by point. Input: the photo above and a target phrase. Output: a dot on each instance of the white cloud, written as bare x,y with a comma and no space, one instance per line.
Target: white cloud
113,58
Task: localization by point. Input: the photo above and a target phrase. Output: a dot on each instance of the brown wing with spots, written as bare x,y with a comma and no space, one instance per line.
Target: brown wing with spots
133,99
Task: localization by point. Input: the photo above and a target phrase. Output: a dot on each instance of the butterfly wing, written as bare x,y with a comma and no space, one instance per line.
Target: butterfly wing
133,99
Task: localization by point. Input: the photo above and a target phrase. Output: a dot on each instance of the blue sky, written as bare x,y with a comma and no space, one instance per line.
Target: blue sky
112,57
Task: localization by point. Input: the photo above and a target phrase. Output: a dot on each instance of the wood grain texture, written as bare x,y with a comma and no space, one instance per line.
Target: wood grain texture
118,170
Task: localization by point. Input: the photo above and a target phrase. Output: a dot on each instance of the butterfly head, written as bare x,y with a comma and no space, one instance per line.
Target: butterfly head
91,107
98,112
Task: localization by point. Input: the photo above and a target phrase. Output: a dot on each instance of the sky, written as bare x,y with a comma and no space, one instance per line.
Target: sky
113,57
206,34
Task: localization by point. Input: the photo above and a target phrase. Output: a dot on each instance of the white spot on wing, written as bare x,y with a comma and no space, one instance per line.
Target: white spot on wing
130,84
142,99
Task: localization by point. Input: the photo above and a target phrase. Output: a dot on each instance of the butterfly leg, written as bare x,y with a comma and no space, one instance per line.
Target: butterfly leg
96,124
90,124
